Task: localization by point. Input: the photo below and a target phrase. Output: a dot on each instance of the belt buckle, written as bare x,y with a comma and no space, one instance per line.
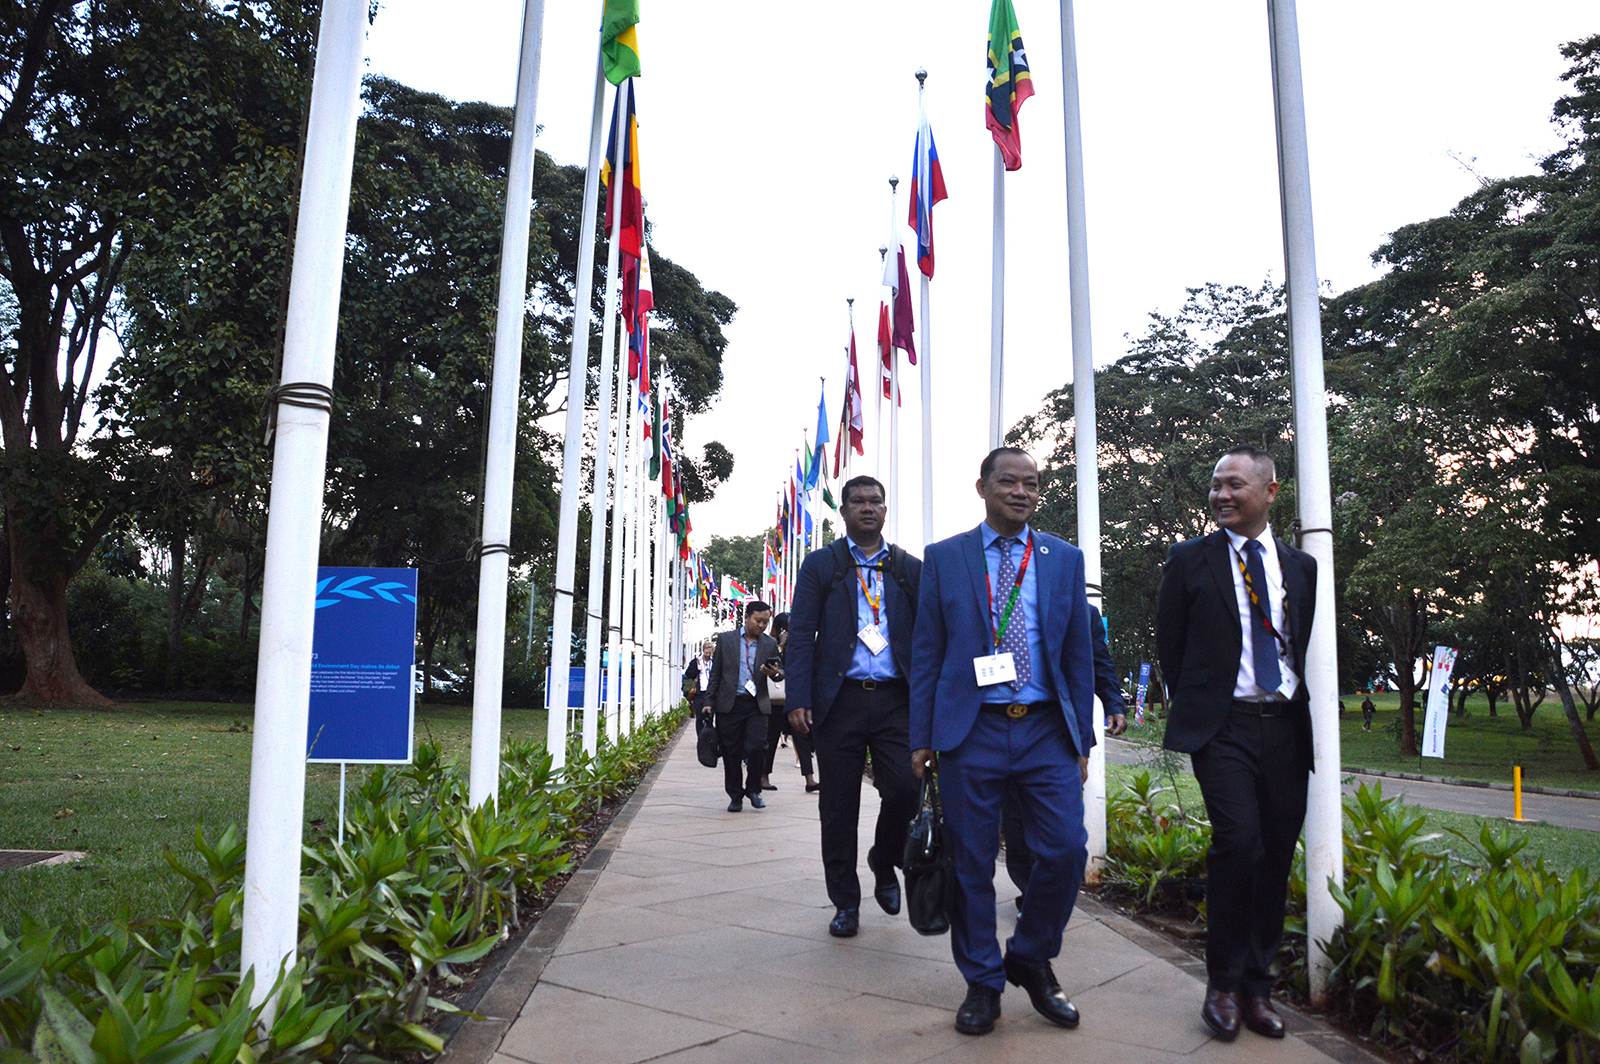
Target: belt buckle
869,685
1017,710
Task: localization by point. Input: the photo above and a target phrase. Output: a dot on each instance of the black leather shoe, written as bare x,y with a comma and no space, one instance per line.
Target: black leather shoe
1221,1013
1043,990
1259,1015
813,788
735,804
769,786
887,888
845,923
978,1013
756,802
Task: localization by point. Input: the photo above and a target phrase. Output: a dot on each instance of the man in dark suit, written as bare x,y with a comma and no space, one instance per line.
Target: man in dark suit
1232,624
1107,688
1002,686
849,652
742,663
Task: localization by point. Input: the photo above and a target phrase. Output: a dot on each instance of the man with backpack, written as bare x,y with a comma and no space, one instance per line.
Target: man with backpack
848,658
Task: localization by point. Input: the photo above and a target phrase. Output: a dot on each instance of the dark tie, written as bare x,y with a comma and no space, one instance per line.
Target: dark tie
1016,637
1263,644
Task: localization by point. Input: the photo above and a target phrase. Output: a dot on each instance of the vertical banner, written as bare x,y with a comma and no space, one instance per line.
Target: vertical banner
1433,725
1140,691
363,653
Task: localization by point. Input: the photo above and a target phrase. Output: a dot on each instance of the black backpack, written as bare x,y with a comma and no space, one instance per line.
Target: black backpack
844,561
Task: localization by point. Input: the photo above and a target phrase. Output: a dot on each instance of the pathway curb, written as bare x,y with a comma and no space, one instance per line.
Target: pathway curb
501,998
1493,785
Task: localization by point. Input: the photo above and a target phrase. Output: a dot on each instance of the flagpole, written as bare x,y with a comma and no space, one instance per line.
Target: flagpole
877,420
997,306
624,561
894,381
598,512
572,453
294,511
926,369
850,396
1086,440
641,578
1324,815
619,551
494,558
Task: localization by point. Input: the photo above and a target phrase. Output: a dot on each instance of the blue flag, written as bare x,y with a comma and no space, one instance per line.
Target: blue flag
818,455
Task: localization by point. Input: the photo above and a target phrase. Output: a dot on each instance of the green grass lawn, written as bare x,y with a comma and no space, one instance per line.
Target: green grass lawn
1562,848
1477,746
124,785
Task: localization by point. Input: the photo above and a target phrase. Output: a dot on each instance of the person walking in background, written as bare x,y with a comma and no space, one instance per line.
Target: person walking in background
1233,620
1368,711
741,664
697,681
849,654
1002,687
778,720
1019,859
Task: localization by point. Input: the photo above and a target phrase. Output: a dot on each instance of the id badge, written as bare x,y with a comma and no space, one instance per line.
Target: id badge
873,638
750,687
995,668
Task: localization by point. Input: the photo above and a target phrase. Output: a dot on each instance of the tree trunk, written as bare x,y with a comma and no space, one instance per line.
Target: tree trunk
39,619
175,588
1579,733
1407,682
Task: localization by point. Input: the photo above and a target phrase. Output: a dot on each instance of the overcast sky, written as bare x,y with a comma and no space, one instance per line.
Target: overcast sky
769,131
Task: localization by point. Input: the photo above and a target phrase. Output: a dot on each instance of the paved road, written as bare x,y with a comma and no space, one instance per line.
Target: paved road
1581,813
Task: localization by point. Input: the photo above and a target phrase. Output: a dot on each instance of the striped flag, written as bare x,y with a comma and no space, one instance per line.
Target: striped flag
927,188
852,429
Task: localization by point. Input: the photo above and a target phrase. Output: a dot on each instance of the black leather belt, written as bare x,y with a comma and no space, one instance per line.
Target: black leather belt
876,685
1269,708
1018,710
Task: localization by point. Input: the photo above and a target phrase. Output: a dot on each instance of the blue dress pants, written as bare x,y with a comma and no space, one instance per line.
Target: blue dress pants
1036,754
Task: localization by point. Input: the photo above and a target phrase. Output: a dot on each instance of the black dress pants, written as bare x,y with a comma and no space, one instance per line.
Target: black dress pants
1253,777
777,728
742,734
857,721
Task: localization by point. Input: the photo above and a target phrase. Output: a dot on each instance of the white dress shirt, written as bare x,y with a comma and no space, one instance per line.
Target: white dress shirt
1245,687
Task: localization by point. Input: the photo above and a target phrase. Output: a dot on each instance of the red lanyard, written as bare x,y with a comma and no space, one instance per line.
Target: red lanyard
866,591
748,652
1011,601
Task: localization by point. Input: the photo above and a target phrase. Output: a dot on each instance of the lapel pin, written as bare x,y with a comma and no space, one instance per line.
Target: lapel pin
1043,549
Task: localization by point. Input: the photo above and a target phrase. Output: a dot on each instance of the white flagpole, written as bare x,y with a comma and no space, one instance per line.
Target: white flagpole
294,511
1324,814
877,376
1086,438
897,246
852,403
494,562
641,582
997,306
625,559
926,368
598,511
619,554
572,454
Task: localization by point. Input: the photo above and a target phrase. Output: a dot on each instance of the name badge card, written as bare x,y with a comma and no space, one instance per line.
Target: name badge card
750,687
873,638
995,668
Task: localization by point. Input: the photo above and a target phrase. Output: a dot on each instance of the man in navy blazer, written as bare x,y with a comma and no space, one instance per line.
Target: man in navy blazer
848,656
1006,605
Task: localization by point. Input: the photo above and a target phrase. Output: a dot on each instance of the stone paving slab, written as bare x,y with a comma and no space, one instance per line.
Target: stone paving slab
699,936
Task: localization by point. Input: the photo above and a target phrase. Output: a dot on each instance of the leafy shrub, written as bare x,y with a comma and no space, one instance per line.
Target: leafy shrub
1154,848
421,888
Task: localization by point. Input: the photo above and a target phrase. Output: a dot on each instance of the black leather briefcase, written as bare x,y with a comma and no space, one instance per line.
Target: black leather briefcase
707,747
929,868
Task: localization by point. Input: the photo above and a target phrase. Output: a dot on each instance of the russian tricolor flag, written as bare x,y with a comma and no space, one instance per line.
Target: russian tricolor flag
927,188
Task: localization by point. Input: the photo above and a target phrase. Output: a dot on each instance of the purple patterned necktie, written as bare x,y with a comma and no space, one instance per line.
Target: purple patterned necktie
1016,637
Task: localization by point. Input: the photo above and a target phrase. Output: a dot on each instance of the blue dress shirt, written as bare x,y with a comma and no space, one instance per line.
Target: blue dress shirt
1041,686
748,648
864,664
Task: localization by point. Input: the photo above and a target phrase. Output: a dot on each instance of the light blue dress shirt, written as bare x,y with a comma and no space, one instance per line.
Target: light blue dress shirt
865,665
747,650
1041,686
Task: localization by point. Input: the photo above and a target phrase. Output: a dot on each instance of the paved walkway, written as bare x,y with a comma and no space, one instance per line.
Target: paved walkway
703,938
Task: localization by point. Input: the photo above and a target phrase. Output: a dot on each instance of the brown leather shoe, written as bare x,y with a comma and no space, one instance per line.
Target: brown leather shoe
1261,1017
1221,1013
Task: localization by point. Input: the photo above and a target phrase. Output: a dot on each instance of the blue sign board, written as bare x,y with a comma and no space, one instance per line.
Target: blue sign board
575,687
363,651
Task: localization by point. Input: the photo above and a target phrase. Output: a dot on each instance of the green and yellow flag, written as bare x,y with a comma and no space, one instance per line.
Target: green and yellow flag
619,40
1009,82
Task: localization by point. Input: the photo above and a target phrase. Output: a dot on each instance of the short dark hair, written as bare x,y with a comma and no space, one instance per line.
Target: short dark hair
993,457
756,606
1255,454
780,623
862,481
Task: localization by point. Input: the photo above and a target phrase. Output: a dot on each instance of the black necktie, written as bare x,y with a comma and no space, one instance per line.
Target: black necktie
1263,643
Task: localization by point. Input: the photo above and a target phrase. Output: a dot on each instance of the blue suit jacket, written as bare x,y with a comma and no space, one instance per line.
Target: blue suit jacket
822,638
953,628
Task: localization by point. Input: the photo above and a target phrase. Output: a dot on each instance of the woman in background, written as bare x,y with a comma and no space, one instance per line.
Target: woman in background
778,721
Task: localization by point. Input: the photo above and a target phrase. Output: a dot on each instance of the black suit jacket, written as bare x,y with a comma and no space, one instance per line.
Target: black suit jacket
1199,641
822,635
724,686
1107,685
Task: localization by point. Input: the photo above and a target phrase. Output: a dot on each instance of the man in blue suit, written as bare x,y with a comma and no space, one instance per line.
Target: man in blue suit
1002,688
